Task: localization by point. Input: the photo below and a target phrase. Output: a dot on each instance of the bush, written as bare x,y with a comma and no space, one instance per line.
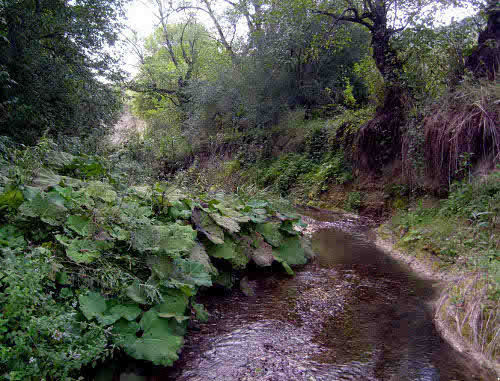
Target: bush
42,334
353,202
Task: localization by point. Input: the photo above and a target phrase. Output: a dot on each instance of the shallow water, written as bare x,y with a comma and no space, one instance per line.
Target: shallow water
351,314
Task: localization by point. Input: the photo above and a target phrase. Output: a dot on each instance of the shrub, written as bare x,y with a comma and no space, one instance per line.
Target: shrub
353,202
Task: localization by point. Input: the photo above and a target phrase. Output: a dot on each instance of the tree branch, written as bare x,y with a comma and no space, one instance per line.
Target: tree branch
149,89
342,17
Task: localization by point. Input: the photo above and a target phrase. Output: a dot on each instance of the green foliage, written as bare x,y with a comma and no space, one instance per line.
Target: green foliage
103,256
461,230
316,143
41,333
477,202
160,341
271,233
230,251
349,100
54,58
282,174
461,233
291,252
353,202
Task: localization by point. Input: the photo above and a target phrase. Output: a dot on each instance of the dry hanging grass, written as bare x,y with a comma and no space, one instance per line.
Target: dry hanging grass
464,125
464,304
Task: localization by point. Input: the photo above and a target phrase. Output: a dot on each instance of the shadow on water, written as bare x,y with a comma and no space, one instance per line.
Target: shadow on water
352,314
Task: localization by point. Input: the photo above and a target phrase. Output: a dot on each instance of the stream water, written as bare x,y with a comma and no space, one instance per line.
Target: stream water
351,314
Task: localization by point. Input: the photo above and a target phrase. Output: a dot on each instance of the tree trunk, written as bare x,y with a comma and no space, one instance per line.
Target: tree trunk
485,60
379,140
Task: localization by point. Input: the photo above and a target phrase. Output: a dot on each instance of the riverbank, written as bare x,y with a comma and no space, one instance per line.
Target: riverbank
446,314
445,280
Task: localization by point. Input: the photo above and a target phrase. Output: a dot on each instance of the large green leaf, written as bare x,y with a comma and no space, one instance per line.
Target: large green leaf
125,333
128,312
160,342
46,178
231,251
271,233
84,250
205,224
175,302
136,211
115,312
79,224
179,210
199,254
103,191
173,238
59,159
137,293
144,192
92,305
48,208
191,272
257,204
235,215
226,222
291,251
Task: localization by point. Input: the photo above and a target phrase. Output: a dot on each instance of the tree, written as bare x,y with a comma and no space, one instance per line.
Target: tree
485,60
379,140
385,19
59,68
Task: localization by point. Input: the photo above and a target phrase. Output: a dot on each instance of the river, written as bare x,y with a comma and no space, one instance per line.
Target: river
353,313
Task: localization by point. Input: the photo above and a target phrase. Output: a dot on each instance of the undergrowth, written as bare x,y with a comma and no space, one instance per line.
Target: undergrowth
92,263
462,234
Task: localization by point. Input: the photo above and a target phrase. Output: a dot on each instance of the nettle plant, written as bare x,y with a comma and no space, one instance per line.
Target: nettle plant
89,265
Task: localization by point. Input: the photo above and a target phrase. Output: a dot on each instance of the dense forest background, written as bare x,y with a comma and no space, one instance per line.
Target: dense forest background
111,212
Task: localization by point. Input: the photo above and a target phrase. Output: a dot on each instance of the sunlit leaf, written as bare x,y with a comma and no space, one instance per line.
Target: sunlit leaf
173,238
103,191
271,233
205,224
79,224
226,222
291,251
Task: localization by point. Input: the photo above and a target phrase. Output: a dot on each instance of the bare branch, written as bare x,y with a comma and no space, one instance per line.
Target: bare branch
163,20
357,19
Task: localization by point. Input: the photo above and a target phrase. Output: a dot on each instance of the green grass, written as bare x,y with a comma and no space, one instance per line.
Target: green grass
461,236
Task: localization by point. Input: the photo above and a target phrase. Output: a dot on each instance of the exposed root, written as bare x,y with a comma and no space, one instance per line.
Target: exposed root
379,140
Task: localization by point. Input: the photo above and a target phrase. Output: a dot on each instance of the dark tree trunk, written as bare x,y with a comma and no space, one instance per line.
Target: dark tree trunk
379,140
384,55
386,58
485,60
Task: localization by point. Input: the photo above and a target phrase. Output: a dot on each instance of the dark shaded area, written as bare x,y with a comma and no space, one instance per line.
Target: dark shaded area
485,59
379,140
